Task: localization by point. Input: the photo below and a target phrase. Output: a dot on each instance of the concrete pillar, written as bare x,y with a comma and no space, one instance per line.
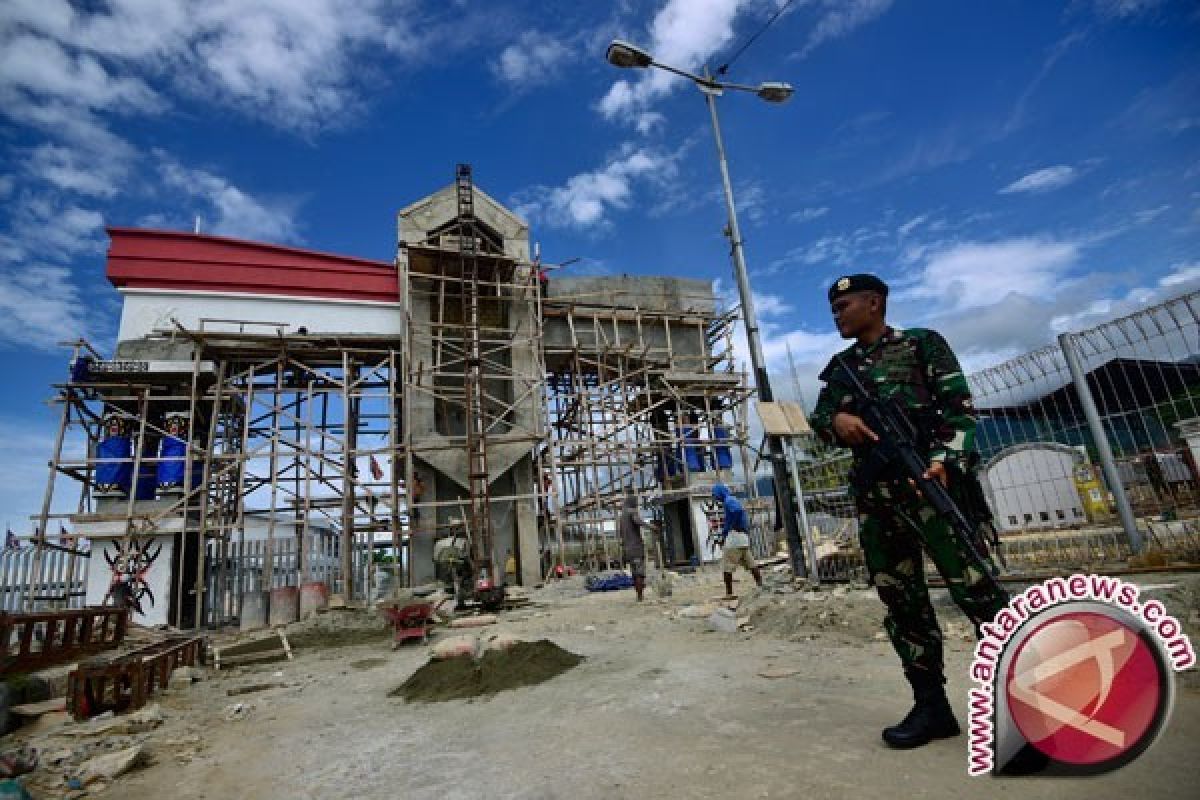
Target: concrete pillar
421,543
527,528
254,611
285,605
314,596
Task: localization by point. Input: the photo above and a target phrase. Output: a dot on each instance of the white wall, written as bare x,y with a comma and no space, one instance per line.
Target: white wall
1035,486
147,310
158,577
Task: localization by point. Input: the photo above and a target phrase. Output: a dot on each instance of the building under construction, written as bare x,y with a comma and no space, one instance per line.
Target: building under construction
280,423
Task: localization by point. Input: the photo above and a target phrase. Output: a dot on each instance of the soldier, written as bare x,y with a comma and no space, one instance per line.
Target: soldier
917,367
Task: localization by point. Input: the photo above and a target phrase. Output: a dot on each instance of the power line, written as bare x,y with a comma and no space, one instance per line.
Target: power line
724,68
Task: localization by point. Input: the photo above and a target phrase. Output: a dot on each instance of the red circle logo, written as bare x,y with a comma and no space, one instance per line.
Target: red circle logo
1085,689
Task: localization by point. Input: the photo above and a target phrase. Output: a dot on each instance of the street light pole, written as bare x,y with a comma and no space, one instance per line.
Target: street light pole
628,56
784,492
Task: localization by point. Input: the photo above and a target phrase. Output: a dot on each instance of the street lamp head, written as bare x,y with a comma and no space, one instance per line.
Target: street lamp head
774,91
623,54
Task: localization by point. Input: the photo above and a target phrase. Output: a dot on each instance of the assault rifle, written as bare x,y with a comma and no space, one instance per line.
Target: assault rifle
898,447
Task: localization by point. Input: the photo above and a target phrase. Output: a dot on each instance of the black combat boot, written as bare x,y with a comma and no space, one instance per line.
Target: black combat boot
930,718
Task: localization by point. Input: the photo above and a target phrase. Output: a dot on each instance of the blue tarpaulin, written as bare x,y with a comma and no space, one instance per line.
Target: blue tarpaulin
115,467
170,472
722,453
693,453
608,582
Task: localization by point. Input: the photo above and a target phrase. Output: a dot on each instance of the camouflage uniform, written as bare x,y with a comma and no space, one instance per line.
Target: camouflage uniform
918,368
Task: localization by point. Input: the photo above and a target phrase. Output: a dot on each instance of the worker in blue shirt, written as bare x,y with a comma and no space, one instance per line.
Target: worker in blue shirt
734,539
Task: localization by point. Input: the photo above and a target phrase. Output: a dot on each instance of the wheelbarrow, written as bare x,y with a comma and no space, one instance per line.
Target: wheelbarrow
411,622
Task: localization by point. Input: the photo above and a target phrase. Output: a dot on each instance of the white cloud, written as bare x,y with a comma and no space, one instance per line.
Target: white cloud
808,214
1119,9
975,275
231,210
810,353
45,225
1017,117
647,122
533,60
40,306
585,200
908,227
856,249
683,34
67,168
41,68
1148,215
840,17
1043,180
1017,323
292,64
771,305
751,201
1181,275
932,149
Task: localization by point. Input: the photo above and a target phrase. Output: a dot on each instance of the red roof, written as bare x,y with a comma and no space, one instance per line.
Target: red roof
177,261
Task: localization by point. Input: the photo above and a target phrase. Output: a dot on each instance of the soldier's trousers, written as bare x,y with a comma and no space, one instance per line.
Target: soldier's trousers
892,535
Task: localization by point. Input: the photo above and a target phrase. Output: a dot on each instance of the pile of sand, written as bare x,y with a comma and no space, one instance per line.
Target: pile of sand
522,664
857,614
339,628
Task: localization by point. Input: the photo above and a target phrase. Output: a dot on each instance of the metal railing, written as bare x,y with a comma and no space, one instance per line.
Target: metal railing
1068,487
56,581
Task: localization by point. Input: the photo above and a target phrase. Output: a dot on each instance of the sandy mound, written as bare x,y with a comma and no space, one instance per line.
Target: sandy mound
523,664
338,628
854,613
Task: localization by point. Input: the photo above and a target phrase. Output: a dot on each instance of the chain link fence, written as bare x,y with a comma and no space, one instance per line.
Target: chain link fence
1082,463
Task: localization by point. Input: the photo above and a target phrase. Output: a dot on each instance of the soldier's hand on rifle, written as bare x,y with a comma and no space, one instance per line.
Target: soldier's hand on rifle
852,430
937,470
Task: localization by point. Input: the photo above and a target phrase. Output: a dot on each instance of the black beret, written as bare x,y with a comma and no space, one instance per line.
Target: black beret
856,283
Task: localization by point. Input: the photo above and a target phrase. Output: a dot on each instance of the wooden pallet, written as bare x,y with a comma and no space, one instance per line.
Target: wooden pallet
126,682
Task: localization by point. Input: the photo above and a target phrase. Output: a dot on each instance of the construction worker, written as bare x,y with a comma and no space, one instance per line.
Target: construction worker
452,562
629,528
734,539
510,568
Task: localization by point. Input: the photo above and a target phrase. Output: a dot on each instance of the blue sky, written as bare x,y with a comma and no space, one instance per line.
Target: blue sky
1013,168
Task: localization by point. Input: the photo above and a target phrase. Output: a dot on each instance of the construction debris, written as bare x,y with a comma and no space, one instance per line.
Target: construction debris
256,687
455,647
110,766
473,622
108,724
273,647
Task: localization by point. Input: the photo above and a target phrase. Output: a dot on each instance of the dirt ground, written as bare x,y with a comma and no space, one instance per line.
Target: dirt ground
659,707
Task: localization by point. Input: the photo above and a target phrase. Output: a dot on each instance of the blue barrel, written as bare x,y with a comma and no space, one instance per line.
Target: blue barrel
114,472
693,454
722,453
